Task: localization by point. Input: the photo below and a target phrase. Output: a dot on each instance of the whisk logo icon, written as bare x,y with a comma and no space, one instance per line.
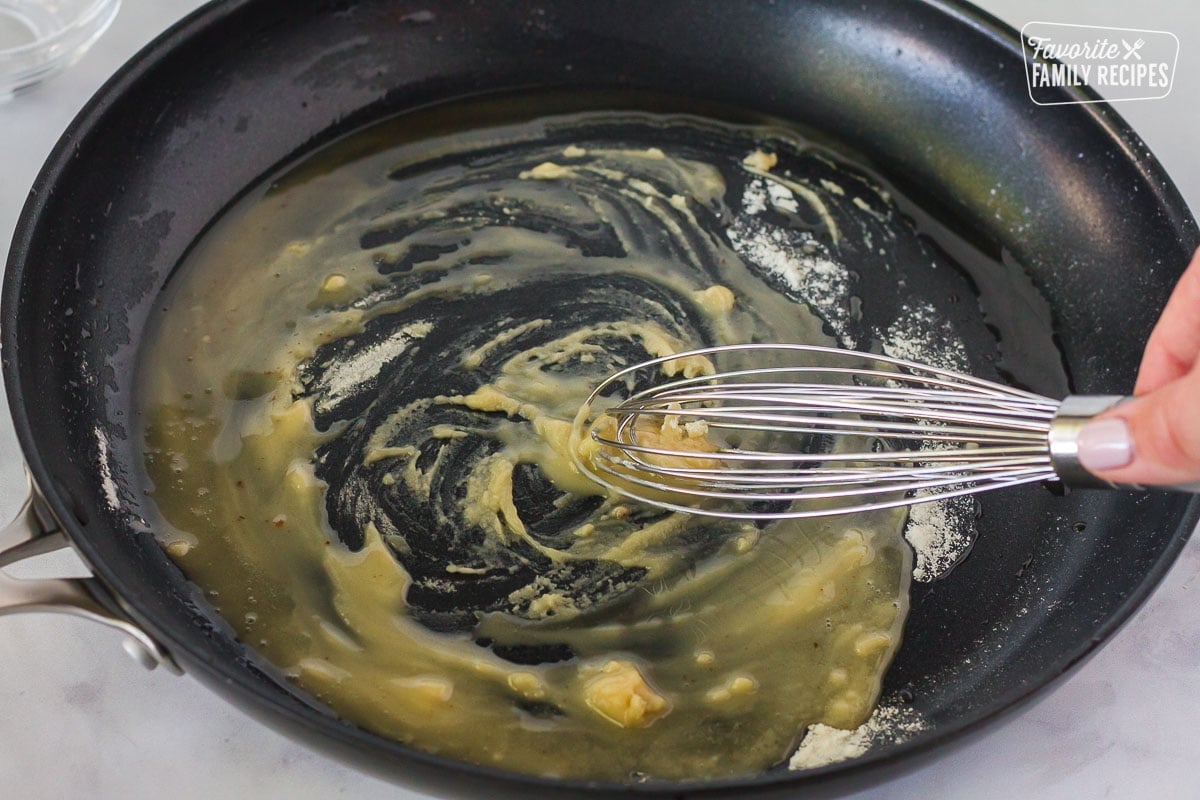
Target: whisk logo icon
1118,63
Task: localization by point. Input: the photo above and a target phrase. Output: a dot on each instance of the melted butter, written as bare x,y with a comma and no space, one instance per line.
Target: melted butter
298,468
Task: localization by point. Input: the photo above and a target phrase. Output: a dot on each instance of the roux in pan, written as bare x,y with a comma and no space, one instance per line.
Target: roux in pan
356,410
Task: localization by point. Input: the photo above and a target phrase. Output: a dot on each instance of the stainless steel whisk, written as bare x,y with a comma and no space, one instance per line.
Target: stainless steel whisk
806,431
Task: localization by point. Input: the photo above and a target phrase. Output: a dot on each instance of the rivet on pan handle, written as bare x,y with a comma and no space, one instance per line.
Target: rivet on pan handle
34,532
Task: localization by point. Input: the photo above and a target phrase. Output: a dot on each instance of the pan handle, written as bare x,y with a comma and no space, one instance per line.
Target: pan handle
34,532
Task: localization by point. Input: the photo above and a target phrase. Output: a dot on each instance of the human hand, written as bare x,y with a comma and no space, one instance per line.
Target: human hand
1155,437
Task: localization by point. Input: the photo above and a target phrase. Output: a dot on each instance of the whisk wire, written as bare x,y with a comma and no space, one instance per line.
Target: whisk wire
854,432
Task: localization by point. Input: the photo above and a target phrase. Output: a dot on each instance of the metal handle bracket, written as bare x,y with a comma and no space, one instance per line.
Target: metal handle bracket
34,532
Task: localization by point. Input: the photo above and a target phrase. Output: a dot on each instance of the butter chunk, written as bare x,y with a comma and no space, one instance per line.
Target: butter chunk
716,301
737,686
528,685
872,644
547,171
333,283
620,694
179,549
421,693
760,161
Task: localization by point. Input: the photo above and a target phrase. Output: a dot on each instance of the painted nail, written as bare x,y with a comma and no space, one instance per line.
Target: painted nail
1105,444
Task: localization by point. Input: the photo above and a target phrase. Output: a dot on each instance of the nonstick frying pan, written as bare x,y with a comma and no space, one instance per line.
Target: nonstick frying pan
932,93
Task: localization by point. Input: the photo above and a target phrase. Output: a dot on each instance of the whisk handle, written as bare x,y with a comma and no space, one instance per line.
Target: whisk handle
1073,413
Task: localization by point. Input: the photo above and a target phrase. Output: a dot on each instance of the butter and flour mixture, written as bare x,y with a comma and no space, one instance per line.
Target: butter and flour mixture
356,411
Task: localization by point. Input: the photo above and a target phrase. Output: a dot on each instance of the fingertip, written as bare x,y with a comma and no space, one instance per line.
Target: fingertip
1105,444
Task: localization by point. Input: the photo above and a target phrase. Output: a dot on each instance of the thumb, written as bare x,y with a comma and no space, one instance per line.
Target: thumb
1152,440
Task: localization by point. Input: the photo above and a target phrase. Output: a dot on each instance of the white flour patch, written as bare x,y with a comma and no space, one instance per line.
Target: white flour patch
940,532
347,377
921,334
111,493
754,197
806,193
820,282
761,191
822,745
782,197
825,745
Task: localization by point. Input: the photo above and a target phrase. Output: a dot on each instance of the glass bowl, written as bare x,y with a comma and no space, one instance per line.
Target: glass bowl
40,38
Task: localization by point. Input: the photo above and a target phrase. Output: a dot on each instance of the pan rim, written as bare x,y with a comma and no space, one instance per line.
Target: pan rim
235,678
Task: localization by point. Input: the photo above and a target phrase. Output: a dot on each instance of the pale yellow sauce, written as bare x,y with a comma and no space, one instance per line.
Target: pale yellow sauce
701,666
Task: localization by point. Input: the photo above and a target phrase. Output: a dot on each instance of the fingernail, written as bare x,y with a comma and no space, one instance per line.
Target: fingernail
1105,444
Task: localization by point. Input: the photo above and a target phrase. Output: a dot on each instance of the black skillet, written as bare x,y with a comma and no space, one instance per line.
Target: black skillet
932,93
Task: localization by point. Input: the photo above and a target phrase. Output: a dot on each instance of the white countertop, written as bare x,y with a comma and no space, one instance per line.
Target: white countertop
79,719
